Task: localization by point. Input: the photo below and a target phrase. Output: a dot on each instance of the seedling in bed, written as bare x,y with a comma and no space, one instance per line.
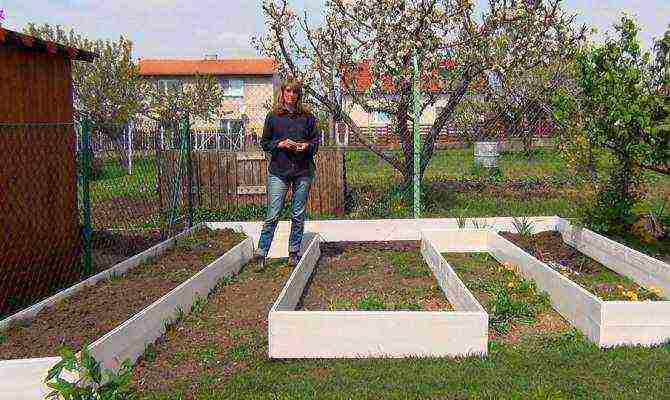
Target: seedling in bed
239,353
461,221
3,338
150,353
340,304
370,303
198,305
524,227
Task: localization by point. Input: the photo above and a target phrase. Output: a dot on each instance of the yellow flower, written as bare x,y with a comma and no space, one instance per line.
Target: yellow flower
510,285
631,295
620,287
657,291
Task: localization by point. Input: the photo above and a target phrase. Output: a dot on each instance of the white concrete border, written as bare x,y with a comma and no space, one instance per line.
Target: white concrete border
354,334
607,323
375,229
24,378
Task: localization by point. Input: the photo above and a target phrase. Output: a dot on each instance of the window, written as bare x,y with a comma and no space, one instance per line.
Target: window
168,84
232,87
380,117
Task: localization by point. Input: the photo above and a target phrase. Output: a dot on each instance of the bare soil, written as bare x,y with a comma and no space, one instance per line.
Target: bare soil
593,276
228,335
368,276
516,308
89,314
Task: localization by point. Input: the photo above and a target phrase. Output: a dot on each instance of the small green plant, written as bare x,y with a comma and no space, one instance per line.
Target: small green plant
228,280
239,352
198,305
340,304
150,353
92,383
524,227
371,303
461,221
480,225
114,277
3,338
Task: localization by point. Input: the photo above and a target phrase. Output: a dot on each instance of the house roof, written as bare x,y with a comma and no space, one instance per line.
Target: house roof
251,66
360,78
31,43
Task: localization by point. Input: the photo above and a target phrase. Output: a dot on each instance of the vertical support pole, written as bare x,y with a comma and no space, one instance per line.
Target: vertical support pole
417,137
189,167
129,135
87,161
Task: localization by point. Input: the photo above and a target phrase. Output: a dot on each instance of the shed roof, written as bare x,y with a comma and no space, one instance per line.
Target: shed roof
241,66
14,39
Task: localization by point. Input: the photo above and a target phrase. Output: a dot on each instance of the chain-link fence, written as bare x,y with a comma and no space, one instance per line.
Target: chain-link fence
78,199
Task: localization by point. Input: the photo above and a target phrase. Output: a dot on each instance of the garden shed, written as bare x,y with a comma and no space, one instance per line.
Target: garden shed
38,201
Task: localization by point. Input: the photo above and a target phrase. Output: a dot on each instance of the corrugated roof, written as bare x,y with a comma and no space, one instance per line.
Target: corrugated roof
31,43
249,66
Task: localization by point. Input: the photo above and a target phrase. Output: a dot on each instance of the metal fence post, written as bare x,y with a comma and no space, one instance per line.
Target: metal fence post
189,168
129,138
417,138
86,167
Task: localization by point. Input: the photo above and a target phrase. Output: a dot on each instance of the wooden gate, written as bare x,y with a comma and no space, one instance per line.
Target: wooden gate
224,179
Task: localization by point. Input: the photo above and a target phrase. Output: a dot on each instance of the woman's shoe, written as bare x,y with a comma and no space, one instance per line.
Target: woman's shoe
259,262
293,259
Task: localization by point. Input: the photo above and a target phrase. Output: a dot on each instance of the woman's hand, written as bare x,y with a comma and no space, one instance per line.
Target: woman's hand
300,147
287,144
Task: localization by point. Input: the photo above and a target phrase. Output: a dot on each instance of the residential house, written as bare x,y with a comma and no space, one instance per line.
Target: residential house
248,86
375,125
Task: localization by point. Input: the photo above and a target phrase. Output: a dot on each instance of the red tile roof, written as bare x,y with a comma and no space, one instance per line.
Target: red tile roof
30,43
360,77
255,66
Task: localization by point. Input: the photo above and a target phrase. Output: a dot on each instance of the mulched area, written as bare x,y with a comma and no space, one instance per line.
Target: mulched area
228,335
516,308
549,248
358,276
89,314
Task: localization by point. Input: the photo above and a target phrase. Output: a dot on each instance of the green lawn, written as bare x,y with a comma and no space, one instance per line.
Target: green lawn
114,182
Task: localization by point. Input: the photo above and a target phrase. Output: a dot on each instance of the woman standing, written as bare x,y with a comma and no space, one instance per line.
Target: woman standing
290,136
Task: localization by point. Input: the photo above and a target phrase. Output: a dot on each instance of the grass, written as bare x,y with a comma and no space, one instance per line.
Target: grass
114,182
508,297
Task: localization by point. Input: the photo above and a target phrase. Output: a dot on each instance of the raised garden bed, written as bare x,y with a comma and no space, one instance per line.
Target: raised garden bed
516,307
370,276
353,334
593,276
96,310
605,322
122,310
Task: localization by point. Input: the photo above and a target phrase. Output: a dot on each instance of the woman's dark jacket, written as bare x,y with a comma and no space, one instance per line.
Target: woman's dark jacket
299,128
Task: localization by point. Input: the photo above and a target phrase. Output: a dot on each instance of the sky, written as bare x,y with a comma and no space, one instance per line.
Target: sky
193,28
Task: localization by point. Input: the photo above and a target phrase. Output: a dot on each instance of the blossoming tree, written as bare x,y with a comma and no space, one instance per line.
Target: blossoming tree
455,49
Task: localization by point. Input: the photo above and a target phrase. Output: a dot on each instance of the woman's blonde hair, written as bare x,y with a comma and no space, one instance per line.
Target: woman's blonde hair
278,104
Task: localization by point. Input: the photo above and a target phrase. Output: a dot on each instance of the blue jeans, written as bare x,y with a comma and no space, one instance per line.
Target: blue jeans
277,189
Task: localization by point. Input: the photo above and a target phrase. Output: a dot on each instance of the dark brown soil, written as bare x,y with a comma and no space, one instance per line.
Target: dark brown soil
372,276
112,247
228,335
490,282
549,248
86,316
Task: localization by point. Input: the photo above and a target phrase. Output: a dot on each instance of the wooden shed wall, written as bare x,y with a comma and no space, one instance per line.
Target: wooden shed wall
38,201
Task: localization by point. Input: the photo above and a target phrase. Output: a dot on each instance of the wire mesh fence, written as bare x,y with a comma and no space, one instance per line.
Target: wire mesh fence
81,198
